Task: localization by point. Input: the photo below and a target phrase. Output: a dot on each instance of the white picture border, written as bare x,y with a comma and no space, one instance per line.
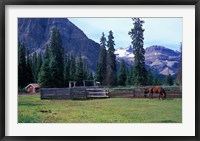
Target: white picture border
186,128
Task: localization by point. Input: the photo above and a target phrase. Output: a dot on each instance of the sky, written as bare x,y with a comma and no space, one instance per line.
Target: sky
158,31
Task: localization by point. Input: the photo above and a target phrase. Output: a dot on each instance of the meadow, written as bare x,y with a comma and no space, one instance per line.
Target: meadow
31,109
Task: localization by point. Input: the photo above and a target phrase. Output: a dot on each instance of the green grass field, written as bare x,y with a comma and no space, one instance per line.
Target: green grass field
112,110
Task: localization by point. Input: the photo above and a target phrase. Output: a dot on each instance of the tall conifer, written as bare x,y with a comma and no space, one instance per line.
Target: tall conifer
179,73
111,61
29,74
34,67
45,78
122,74
57,58
102,60
38,66
136,35
21,65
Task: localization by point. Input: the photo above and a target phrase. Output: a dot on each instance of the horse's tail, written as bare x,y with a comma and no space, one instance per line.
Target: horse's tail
164,93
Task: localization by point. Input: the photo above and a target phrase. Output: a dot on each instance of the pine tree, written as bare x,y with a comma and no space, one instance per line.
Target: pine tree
149,78
66,70
21,66
80,71
90,78
72,68
103,60
111,61
155,81
34,67
133,77
57,58
179,73
169,80
29,74
128,77
136,35
98,76
122,74
44,77
38,66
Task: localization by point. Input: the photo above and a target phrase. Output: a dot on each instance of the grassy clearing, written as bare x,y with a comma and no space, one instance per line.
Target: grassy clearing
114,110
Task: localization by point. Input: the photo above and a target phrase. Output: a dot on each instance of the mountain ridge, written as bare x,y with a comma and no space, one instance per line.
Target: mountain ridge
158,59
36,33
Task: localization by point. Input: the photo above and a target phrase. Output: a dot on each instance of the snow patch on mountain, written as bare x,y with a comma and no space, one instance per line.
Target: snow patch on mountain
158,59
124,52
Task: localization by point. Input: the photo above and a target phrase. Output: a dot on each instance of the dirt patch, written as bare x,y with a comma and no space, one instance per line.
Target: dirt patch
47,112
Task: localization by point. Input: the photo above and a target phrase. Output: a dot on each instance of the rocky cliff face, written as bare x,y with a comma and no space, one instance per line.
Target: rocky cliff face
36,32
158,59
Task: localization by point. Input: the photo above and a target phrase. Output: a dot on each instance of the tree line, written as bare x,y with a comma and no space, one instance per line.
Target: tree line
54,69
106,70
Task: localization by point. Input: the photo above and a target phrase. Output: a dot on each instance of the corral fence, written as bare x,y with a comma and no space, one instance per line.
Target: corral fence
138,92
104,92
74,93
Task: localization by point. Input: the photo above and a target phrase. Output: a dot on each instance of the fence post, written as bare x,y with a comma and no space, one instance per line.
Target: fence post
133,92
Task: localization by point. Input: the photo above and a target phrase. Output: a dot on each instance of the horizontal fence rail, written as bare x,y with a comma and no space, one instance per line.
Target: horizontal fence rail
105,92
138,92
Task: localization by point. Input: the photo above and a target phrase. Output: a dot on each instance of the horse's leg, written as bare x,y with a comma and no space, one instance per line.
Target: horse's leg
163,95
160,95
149,95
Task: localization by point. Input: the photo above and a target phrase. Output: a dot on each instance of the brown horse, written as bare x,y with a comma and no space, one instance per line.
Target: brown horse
152,90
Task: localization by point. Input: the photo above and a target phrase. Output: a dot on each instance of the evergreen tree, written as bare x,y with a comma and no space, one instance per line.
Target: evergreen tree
72,65
149,78
111,61
90,76
80,71
169,80
133,77
179,73
98,76
103,60
136,35
44,77
21,66
122,74
34,67
155,80
86,72
56,80
66,70
57,58
38,66
128,77
29,75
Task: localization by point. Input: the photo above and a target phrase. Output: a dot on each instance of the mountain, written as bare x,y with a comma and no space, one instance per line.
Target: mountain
158,59
36,33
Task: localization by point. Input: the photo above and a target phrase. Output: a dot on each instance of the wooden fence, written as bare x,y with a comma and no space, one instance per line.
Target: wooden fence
102,92
138,92
73,93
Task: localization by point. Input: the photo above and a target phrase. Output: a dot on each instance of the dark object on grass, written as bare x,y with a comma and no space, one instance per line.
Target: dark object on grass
152,90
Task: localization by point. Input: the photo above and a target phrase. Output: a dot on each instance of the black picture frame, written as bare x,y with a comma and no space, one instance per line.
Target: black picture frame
3,3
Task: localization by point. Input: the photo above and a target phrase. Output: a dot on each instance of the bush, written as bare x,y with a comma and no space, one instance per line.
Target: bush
22,90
